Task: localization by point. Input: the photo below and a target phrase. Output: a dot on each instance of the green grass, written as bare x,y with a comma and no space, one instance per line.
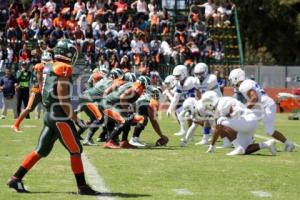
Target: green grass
154,173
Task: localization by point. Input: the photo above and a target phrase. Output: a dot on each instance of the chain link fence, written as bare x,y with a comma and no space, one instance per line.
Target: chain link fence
275,76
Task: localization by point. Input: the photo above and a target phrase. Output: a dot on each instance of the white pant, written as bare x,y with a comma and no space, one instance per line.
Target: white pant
245,125
5,102
269,119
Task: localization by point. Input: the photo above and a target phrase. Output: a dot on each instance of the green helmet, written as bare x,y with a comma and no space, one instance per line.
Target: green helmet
130,77
144,80
66,50
116,73
46,56
155,92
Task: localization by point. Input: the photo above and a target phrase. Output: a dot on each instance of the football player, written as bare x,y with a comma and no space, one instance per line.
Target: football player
35,97
147,106
236,122
117,106
263,106
185,87
59,121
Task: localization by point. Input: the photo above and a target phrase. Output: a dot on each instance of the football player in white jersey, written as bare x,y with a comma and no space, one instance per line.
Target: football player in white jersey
169,83
194,112
263,106
236,122
207,82
185,88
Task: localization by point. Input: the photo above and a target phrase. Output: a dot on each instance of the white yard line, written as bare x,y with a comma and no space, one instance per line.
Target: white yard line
25,126
261,194
267,138
183,191
95,179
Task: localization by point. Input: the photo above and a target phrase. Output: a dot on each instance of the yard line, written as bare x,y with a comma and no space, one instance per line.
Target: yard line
94,178
261,194
25,126
266,138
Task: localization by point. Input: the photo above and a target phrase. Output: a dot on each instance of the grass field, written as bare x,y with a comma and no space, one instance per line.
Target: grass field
156,173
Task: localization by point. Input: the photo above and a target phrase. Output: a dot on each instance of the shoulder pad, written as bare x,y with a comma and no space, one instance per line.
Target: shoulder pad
63,70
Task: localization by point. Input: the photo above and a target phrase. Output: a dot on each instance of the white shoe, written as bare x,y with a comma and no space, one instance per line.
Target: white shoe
289,147
135,141
89,142
237,151
204,141
271,146
183,143
180,133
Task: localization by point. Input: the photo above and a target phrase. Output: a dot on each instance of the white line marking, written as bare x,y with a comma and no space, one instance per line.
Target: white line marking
183,191
262,194
266,138
25,126
95,179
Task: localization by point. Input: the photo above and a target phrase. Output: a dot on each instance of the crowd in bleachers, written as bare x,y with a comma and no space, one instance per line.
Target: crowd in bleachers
113,33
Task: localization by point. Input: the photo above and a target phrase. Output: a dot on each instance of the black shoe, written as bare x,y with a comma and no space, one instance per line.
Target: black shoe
87,190
17,184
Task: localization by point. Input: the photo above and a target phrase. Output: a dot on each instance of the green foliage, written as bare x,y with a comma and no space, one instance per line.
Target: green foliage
272,25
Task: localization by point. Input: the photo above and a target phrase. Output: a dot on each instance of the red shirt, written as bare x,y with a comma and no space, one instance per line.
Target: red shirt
22,23
121,7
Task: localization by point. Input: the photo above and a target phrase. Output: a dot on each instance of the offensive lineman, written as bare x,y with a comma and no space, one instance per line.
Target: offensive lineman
59,119
263,106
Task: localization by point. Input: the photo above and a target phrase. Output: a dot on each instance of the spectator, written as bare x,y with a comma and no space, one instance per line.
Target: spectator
121,7
209,10
124,45
154,21
51,6
57,33
111,46
103,63
79,9
229,7
59,21
113,62
141,8
71,24
91,11
35,25
8,84
23,77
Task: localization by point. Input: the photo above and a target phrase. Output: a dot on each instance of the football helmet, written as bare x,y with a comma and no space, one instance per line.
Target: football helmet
210,100
144,80
201,71
236,76
170,82
66,50
180,72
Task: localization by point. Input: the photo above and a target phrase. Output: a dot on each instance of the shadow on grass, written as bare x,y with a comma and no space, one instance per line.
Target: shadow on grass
123,195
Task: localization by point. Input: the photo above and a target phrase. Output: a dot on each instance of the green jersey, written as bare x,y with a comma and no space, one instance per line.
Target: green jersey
51,73
96,93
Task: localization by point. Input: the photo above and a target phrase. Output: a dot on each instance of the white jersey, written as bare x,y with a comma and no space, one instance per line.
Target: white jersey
210,83
188,88
248,85
230,107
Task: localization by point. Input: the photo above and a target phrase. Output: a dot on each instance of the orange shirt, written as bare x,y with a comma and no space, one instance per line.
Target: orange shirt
71,24
59,22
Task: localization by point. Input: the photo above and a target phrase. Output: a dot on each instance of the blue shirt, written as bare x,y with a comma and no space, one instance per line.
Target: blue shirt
8,82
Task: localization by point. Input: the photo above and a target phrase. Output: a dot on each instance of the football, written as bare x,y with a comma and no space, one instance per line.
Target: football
162,141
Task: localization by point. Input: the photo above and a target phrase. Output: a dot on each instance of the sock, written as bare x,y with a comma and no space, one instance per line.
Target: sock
262,145
126,130
76,164
80,179
206,130
27,164
19,121
287,142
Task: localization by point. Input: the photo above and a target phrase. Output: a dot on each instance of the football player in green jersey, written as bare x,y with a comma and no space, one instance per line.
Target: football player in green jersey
59,120
147,106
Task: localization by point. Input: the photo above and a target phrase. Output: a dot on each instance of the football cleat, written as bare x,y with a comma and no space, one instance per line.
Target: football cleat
89,142
87,190
289,147
271,146
111,145
135,141
180,133
204,141
237,151
183,143
17,184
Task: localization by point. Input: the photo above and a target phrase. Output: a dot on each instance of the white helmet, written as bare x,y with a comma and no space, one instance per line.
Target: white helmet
201,71
180,72
236,76
46,57
170,82
210,100
190,104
